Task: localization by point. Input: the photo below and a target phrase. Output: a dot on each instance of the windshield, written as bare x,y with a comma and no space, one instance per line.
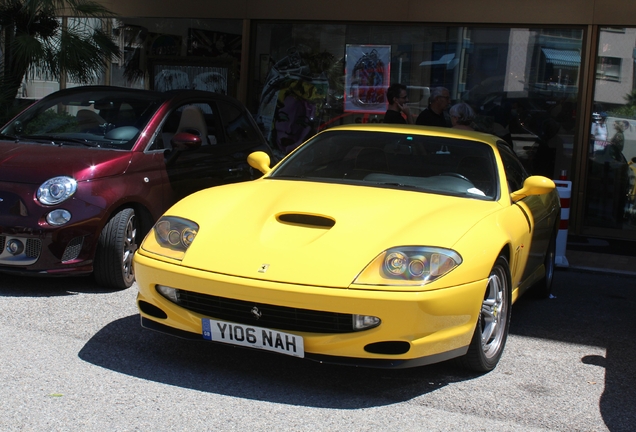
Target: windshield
449,166
109,118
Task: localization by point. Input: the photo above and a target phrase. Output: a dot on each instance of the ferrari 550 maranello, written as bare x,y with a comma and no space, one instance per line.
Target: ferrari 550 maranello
372,245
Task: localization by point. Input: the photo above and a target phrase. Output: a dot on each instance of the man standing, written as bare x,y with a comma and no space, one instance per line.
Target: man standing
397,109
439,101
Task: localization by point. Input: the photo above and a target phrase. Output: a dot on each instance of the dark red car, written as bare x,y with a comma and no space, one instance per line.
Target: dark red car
85,172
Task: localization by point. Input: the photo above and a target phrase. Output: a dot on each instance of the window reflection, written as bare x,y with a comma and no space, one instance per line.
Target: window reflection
610,186
521,82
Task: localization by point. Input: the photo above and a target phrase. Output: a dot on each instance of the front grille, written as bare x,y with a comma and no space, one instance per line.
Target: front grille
33,247
2,240
276,317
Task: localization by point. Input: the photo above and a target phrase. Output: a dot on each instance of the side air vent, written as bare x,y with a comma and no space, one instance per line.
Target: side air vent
389,347
307,220
73,249
151,310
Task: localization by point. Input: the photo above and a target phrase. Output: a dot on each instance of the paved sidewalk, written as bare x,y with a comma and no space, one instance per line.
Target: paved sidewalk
603,262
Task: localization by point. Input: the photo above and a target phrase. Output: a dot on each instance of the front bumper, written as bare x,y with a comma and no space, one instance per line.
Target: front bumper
47,250
434,325
46,256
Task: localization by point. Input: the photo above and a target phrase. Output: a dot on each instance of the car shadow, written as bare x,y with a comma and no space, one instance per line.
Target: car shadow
588,309
595,310
124,346
34,286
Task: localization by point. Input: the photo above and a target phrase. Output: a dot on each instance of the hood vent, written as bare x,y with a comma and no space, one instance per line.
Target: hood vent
306,220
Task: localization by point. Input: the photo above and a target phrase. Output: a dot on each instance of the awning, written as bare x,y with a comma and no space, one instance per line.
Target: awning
564,58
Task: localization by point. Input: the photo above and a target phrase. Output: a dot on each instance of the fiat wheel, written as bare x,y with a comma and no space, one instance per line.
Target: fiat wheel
114,257
491,331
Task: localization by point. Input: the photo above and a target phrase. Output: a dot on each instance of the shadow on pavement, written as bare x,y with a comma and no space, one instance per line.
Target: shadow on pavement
125,347
598,310
589,309
35,286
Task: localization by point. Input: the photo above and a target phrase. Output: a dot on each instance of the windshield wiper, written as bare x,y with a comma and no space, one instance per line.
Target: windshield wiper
402,185
58,140
9,137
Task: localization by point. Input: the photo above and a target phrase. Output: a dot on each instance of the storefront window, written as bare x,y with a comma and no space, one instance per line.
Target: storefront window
610,186
522,82
165,54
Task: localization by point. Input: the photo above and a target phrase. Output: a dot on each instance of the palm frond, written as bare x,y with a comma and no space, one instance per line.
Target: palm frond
38,43
81,8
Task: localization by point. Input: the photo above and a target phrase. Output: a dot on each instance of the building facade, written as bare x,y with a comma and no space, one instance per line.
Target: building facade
555,79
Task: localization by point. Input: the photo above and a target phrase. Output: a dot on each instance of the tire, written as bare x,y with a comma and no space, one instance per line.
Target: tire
543,288
491,331
113,267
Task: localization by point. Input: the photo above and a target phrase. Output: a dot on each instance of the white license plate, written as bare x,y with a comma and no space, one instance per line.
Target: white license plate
253,337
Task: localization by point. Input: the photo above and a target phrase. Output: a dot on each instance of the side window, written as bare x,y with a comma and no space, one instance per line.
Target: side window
194,118
515,173
237,123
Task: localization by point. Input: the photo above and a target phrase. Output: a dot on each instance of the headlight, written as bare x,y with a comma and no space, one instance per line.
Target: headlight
171,237
409,265
56,190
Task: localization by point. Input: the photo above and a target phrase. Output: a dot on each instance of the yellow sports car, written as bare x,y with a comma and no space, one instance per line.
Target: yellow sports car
372,245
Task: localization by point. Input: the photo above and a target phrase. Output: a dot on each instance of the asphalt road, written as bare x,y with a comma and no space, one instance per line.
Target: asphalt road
74,358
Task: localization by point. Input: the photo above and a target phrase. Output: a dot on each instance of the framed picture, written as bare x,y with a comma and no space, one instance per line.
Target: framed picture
213,76
367,73
208,43
164,44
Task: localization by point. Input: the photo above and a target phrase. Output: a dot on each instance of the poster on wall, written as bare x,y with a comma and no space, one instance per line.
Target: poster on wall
292,102
367,73
175,77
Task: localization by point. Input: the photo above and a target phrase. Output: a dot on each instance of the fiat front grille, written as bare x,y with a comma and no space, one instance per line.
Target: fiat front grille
33,247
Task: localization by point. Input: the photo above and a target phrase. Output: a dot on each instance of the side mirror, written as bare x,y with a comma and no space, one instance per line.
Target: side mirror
259,160
185,141
181,142
534,185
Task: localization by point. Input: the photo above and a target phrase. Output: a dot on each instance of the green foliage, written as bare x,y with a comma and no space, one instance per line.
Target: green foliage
34,38
626,111
51,121
630,98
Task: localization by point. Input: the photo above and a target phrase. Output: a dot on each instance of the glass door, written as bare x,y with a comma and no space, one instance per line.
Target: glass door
611,169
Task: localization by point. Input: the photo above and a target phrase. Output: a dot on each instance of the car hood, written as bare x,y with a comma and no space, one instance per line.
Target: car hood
36,163
260,229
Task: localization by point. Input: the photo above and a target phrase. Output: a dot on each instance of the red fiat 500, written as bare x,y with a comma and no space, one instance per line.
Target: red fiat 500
85,172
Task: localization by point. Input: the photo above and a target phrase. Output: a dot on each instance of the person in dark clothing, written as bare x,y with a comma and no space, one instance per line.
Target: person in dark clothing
439,102
397,110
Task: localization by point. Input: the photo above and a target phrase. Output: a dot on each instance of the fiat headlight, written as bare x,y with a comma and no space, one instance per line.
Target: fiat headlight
409,265
171,237
56,190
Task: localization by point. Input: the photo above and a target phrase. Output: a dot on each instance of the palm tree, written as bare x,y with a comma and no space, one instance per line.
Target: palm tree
34,38
630,98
